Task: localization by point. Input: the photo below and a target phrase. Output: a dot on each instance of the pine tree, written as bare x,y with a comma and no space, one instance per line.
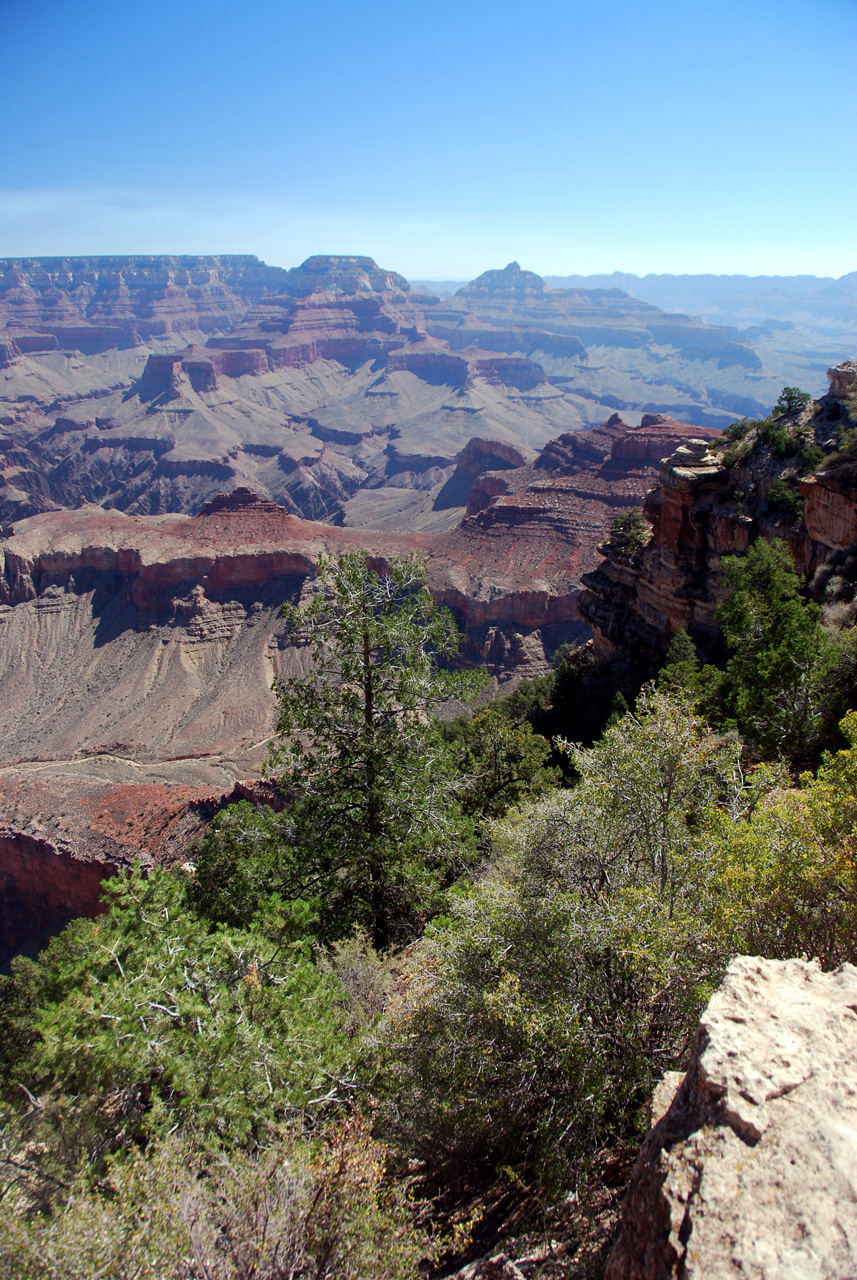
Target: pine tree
376,824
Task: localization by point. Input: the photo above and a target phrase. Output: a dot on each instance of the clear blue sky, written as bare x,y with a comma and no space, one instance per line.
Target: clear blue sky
440,137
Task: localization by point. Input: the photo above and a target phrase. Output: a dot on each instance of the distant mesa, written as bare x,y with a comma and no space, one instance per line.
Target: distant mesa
510,282
342,274
93,303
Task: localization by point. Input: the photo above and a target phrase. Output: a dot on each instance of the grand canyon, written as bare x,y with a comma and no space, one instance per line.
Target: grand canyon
182,439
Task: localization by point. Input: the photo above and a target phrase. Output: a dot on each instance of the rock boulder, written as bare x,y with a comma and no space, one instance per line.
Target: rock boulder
752,1170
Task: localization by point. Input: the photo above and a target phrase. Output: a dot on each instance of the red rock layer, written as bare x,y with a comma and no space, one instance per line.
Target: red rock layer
42,888
700,512
91,303
62,833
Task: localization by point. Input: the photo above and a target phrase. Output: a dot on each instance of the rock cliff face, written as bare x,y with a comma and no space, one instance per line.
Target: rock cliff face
96,303
704,508
68,826
571,494
751,1170
158,637
42,888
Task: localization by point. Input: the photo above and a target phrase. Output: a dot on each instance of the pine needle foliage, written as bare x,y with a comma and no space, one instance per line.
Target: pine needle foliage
375,813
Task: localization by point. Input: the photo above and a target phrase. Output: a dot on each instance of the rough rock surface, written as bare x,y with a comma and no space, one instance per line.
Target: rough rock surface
700,511
752,1171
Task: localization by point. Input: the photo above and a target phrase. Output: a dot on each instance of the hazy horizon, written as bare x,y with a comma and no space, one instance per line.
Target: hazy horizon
440,278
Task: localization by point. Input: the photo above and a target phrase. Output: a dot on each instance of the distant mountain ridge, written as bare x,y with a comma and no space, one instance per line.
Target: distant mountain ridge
812,302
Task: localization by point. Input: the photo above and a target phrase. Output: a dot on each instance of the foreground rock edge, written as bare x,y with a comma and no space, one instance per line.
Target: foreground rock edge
752,1170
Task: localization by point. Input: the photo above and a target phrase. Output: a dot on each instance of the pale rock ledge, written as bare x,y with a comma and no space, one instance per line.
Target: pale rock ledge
751,1171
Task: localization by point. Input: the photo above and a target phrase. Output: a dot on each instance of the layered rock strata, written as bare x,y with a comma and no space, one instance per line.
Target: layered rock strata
603,317
751,1171
315,385
95,303
160,637
704,508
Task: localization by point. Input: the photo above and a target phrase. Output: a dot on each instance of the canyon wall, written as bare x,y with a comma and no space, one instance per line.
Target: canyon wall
706,506
158,638
151,384
42,888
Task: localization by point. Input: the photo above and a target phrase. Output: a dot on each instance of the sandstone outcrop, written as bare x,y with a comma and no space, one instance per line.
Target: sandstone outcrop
751,1172
830,515
843,379
705,508
477,457
635,604
570,496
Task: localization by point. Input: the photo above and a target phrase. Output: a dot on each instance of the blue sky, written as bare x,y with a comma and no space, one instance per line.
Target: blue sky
441,138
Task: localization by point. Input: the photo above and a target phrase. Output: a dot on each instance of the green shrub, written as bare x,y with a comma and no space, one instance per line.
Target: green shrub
535,1018
531,1023
502,762
176,1213
629,532
737,453
789,872
786,677
784,499
783,436
736,431
144,1021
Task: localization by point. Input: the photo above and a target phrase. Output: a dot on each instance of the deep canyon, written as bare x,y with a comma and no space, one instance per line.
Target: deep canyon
181,437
